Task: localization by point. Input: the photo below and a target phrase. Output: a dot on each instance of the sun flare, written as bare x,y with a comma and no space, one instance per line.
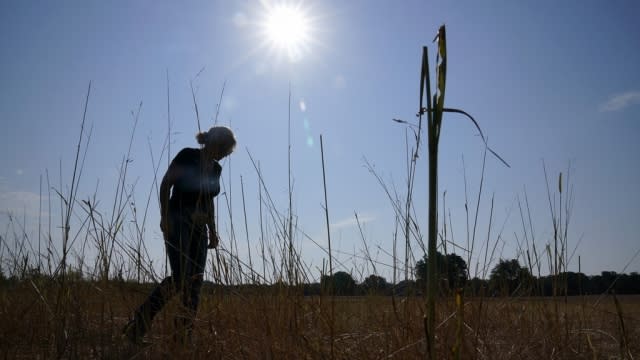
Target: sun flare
286,28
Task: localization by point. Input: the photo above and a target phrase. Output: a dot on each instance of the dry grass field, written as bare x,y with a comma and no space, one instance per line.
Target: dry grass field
83,320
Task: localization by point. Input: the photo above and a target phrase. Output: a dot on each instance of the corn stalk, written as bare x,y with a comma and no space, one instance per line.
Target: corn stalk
434,110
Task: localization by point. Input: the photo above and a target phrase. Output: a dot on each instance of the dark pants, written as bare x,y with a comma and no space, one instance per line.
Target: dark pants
186,248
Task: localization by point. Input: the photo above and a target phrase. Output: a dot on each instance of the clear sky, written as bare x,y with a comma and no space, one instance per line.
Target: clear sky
547,80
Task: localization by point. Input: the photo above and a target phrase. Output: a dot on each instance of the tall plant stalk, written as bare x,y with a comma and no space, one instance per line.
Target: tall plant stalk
434,110
326,213
290,223
246,230
433,133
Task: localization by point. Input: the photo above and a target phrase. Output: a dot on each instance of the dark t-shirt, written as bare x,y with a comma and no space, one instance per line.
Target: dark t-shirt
197,182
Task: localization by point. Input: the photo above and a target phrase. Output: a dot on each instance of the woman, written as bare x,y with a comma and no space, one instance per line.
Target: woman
186,218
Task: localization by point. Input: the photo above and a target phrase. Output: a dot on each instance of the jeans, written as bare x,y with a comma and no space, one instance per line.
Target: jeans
186,246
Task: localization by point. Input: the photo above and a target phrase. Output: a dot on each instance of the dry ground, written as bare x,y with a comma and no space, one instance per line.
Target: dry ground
83,320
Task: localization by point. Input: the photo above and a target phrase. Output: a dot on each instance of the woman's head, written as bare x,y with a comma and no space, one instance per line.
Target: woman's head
219,141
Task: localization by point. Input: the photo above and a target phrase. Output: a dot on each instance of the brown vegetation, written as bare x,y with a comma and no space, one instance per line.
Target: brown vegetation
84,320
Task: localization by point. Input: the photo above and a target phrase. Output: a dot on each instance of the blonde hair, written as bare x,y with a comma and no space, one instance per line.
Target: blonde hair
219,137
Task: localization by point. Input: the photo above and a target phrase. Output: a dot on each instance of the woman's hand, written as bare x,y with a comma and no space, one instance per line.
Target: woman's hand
213,239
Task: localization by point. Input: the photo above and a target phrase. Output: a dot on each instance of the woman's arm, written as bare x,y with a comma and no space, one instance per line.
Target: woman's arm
168,181
211,224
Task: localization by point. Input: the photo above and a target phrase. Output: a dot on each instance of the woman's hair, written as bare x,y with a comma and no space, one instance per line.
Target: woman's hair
218,137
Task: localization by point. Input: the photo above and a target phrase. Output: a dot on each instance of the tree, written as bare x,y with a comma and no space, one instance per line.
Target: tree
374,284
343,283
452,270
576,282
476,286
508,276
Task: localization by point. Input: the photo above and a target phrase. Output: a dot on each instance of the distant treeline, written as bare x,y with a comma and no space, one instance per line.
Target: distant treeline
343,284
565,283
507,278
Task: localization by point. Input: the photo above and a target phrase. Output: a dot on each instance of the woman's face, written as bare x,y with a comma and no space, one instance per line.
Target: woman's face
216,153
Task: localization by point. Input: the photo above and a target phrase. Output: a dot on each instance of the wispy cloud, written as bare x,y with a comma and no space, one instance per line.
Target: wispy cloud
20,203
620,101
352,222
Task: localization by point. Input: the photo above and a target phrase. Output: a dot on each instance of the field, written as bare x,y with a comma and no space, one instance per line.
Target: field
46,319
399,244
70,299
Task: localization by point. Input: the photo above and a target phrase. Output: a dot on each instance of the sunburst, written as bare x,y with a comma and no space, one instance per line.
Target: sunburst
287,29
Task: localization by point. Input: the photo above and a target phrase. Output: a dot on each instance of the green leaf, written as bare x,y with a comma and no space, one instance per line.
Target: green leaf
484,140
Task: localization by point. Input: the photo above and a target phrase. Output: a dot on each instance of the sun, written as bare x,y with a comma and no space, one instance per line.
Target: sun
287,29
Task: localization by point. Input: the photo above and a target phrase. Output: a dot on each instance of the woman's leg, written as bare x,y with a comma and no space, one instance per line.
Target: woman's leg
198,252
144,315
197,255
164,291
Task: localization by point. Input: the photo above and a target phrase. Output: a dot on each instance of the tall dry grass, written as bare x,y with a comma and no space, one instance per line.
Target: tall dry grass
278,325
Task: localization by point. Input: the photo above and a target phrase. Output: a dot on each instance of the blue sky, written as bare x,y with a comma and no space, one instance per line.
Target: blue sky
547,81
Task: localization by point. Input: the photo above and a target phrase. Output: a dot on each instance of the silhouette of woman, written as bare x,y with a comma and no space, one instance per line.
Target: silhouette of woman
187,212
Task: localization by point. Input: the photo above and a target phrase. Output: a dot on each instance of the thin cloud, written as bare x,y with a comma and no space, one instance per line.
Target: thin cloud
352,222
621,101
20,203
